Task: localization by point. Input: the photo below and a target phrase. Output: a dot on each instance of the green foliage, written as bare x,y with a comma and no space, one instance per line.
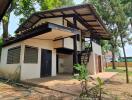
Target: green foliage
82,72
100,84
24,8
49,4
116,15
119,70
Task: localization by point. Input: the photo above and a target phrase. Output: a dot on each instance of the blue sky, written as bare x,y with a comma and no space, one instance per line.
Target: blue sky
14,23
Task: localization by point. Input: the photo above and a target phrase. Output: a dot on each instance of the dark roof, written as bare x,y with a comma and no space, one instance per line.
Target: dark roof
4,4
85,15
38,30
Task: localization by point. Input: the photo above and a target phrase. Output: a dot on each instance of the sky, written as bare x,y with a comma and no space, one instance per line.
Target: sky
14,23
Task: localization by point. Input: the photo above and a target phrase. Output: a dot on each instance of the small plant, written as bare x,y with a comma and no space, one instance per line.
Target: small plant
100,84
82,76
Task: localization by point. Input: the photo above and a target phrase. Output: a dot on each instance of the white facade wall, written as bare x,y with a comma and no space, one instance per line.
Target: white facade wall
29,71
68,43
9,70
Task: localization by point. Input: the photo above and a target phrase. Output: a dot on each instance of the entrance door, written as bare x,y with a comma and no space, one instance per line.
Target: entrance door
99,64
46,62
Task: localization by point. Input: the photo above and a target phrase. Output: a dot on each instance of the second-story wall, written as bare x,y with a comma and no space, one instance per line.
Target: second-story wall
96,48
67,43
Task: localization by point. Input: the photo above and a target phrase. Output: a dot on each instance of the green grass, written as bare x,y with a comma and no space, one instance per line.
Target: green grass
118,69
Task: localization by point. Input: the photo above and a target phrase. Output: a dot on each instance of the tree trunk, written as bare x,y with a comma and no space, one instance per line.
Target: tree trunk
127,77
5,29
113,58
105,61
131,21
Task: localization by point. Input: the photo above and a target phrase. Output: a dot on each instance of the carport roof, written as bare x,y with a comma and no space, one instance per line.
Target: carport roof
85,15
4,4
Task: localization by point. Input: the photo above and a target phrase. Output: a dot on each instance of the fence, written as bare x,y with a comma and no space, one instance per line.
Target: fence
120,64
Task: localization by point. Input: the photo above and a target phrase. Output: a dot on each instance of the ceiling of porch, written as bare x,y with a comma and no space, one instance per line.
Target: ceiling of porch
54,35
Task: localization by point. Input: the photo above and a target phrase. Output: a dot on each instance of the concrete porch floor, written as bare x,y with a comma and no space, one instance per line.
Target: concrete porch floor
66,83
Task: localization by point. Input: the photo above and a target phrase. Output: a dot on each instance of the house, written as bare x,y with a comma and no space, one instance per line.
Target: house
50,42
4,4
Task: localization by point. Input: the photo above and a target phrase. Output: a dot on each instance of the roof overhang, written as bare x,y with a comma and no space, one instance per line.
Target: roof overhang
45,28
88,21
4,4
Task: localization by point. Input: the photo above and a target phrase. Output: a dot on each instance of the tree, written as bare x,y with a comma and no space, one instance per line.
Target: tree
51,4
25,8
5,20
115,15
128,9
105,10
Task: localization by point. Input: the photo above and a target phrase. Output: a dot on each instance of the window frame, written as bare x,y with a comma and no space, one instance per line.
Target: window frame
29,62
7,61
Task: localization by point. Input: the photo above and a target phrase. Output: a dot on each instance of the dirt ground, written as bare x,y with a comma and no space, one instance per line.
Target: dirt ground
114,89
12,92
117,89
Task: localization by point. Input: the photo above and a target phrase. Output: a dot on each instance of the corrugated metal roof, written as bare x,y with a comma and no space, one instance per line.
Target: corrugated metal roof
85,16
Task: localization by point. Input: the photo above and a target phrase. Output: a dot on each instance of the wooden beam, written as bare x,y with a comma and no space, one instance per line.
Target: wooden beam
95,25
83,22
91,20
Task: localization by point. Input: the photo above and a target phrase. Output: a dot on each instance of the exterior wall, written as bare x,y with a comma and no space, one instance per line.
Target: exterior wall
58,44
96,48
65,63
29,71
92,65
68,43
9,70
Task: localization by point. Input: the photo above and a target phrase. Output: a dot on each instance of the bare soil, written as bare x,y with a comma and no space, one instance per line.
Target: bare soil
114,89
117,89
13,92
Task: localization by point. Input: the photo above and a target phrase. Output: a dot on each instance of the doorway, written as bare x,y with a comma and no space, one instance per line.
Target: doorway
98,63
46,62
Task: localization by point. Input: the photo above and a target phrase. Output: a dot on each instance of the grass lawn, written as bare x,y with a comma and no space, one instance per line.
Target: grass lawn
120,70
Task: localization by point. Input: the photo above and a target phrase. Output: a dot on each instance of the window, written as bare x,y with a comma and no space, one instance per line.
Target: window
14,55
31,55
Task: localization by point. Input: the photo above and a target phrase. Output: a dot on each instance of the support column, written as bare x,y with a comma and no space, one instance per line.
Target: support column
75,54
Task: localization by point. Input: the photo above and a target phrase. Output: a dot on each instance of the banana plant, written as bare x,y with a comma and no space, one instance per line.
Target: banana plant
100,84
